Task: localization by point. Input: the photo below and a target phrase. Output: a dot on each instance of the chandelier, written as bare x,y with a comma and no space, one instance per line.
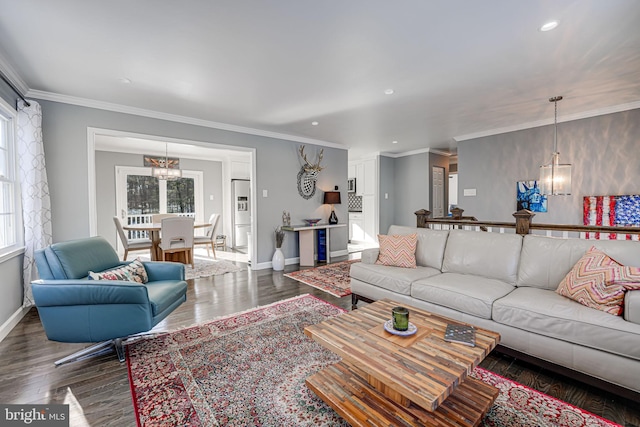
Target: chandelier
166,170
555,178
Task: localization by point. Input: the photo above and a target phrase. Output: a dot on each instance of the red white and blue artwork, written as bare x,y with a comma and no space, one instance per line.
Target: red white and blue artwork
528,196
614,211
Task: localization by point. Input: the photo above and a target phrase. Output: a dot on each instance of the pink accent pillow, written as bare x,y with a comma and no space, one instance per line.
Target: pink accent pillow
398,250
599,282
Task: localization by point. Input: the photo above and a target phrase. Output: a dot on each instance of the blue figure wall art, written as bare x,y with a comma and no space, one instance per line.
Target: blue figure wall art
528,197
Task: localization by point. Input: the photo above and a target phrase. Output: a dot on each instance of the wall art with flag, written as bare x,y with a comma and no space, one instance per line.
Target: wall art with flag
614,211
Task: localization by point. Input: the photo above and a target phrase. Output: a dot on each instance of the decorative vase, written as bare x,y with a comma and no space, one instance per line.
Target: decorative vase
277,262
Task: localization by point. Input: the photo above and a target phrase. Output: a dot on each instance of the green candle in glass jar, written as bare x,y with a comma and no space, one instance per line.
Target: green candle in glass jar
400,317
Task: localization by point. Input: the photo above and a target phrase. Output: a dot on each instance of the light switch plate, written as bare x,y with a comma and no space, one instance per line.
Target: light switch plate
265,193
469,191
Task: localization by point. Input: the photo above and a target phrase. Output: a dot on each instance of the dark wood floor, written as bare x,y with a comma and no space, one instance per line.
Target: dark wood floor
97,389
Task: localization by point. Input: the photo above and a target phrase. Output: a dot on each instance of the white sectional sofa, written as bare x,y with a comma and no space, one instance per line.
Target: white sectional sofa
506,283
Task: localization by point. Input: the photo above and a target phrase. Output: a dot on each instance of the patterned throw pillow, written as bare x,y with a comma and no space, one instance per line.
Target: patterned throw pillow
398,250
132,272
599,282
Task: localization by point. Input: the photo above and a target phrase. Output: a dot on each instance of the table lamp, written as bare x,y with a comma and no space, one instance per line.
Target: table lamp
332,198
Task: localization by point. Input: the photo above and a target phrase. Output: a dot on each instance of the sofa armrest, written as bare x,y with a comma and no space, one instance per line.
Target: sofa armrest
55,293
632,306
157,270
370,256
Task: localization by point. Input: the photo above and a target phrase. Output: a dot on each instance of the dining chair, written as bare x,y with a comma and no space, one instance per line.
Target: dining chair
177,236
157,218
210,238
131,244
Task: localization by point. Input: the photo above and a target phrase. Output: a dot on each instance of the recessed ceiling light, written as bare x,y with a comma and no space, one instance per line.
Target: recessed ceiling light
315,123
394,142
125,80
549,26
388,91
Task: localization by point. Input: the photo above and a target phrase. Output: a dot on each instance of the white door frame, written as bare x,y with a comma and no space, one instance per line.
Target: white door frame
92,132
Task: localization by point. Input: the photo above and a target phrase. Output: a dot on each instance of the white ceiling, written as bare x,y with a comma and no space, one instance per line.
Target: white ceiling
459,68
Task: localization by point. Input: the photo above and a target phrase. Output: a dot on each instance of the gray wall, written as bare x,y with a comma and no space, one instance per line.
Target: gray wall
604,151
11,268
277,164
106,163
411,187
387,185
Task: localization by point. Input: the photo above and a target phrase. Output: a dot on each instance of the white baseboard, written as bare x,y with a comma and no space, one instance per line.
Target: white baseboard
268,264
12,322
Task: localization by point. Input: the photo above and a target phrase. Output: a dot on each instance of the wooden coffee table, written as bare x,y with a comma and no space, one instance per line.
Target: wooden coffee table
385,379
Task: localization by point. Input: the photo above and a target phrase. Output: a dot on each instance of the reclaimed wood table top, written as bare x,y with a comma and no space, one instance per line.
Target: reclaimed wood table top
422,368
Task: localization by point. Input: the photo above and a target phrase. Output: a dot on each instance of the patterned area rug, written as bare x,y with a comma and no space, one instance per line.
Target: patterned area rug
210,267
249,369
331,278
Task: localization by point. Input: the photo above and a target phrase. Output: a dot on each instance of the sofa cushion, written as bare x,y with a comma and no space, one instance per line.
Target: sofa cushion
544,312
469,294
132,272
398,250
491,255
545,261
632,307
599,282
431,244
396,279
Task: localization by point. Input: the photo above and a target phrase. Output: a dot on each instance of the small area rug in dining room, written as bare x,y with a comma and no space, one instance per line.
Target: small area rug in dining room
202,267
331,278
249,369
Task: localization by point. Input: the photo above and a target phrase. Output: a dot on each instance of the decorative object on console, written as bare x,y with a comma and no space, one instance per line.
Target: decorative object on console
332,198
613,211
555,178
599,282
308,175
277,262
164,168
286,219
528,196
312,221
398,250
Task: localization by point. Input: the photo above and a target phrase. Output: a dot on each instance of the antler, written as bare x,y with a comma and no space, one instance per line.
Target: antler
317,166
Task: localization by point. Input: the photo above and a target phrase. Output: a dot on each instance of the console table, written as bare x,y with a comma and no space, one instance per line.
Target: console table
307,238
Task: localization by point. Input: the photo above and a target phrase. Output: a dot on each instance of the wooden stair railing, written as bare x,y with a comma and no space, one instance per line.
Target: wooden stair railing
523,224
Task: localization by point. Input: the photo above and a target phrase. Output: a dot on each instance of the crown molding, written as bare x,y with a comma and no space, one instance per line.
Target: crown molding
12,75
119,108
414,152
565,118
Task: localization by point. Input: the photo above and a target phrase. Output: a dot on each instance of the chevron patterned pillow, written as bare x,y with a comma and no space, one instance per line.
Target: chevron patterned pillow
398,250
599,282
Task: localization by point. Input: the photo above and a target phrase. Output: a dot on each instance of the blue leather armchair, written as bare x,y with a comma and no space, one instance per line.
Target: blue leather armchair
74,308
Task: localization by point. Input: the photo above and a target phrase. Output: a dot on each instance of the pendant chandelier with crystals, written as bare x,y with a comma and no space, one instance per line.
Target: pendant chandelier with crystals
165,172
555,178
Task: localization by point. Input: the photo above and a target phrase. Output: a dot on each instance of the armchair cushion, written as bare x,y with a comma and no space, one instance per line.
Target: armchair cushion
132,272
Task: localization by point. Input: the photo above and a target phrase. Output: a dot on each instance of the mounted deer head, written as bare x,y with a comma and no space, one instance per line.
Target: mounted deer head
308,175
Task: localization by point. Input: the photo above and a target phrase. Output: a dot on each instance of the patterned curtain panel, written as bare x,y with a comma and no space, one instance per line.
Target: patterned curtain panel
36,204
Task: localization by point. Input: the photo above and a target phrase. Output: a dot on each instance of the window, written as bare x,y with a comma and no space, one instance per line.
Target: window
9,237
139,196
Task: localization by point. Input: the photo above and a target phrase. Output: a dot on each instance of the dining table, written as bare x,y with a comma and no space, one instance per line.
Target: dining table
154,234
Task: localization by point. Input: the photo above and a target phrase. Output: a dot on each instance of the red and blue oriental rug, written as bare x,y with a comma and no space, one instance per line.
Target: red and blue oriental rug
249,369
332,278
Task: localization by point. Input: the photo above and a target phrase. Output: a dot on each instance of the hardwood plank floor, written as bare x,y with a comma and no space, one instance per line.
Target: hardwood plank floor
97,389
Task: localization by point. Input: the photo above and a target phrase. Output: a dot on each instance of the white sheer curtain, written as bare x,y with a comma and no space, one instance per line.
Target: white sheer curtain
34,189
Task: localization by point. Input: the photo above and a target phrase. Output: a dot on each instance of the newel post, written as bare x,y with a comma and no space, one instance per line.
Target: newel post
422,216
523,221
456,213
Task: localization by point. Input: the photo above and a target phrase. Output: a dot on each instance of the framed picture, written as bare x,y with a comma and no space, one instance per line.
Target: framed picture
161,162
528,197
